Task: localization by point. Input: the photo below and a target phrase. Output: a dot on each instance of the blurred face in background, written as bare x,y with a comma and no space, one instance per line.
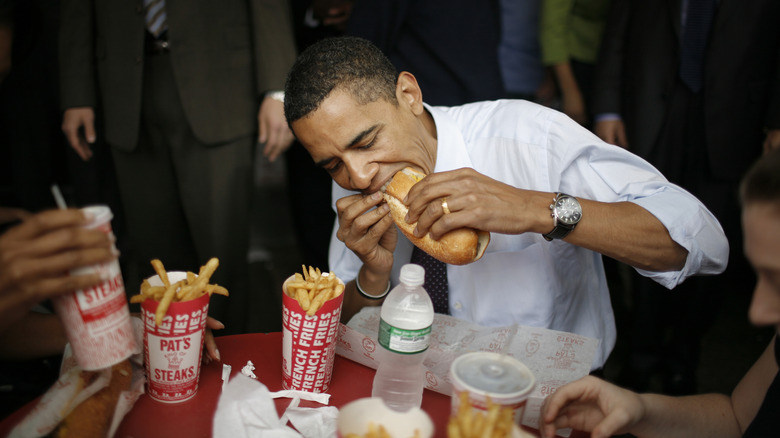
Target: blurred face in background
761,225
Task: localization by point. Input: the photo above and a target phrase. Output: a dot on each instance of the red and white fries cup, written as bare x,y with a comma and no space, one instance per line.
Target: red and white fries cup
172,351
97,320
308,343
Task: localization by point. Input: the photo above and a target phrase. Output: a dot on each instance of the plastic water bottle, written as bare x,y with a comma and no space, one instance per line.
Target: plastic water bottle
404,334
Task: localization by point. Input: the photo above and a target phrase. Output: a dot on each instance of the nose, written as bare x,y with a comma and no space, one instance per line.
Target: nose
765,306
361,173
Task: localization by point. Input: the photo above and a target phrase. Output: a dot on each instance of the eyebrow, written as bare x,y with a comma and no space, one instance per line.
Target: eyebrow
358,138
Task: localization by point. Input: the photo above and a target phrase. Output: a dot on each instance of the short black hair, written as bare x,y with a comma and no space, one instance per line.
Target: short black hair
762,182
351,63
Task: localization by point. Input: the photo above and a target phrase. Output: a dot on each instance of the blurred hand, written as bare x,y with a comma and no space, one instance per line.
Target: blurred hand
274,131
772,140
591,405
8,214
36,258
332,12
612,132
73,121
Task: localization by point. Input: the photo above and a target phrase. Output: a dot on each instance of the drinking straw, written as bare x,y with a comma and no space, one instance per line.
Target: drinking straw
55,190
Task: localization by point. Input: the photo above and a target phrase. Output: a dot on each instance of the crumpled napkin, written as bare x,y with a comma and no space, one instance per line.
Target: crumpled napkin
246,409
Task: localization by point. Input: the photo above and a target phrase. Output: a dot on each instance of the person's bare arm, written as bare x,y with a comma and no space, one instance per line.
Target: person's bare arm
34,335
622,230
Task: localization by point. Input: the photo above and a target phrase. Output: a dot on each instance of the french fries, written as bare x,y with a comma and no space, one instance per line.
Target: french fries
194,286
313,288
375,431
467,422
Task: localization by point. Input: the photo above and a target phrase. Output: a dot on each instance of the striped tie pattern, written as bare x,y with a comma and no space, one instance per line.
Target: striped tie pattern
156,19
435,280
695,34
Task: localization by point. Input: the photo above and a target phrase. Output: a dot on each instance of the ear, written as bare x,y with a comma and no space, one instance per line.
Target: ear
408,92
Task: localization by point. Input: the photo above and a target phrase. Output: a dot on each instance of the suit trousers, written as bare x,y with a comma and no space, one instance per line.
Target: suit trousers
186,201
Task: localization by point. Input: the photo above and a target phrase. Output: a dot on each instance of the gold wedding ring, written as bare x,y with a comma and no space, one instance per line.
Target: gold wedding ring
444,206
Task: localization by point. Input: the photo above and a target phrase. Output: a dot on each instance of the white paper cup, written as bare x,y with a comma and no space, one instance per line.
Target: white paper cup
501,379
97,320
355,417
173,350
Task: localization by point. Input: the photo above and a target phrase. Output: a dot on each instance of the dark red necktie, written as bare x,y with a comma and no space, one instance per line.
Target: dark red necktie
435,280
698,21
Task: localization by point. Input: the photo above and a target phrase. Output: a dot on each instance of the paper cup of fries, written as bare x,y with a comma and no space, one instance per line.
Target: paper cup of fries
371,418
97,320
174,308
484,379
311,309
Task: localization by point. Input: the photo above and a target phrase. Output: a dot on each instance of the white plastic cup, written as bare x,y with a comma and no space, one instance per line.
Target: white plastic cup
97,320
491,376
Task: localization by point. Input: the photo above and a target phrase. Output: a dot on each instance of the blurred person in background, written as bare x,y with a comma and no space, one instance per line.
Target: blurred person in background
451,45
692,86
570,35
187,93
593,405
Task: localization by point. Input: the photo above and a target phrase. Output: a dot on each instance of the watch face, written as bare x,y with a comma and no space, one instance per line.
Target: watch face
568,210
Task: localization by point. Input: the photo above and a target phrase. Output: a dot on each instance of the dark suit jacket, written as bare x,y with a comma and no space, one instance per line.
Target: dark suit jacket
225,54
450,46
638,67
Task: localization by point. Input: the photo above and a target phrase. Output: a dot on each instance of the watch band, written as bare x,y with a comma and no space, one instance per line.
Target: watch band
560,230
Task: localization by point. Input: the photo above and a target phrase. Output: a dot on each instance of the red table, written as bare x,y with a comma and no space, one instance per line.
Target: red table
194,418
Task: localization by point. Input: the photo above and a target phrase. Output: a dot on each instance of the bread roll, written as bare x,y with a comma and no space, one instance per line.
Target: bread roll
458,247
93,416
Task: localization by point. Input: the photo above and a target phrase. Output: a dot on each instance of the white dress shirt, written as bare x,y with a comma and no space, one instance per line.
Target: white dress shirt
524,279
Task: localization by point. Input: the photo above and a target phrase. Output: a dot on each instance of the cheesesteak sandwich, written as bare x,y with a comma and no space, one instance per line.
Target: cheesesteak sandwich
458,247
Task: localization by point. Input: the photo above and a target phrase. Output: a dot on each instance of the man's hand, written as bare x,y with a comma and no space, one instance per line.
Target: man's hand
37,256
73,121
274,131
369,233
474,200
612,132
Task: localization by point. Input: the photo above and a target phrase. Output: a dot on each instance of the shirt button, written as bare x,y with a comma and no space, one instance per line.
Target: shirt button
458,305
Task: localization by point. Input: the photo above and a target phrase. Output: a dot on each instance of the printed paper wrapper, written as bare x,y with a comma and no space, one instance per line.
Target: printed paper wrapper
68,392
554,357
97,319
308,343
355,417
172,351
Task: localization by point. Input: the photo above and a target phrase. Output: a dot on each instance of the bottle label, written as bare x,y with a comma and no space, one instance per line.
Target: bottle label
403,341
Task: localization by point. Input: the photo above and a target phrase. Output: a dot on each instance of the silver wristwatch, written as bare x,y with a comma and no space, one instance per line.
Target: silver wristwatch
566,212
